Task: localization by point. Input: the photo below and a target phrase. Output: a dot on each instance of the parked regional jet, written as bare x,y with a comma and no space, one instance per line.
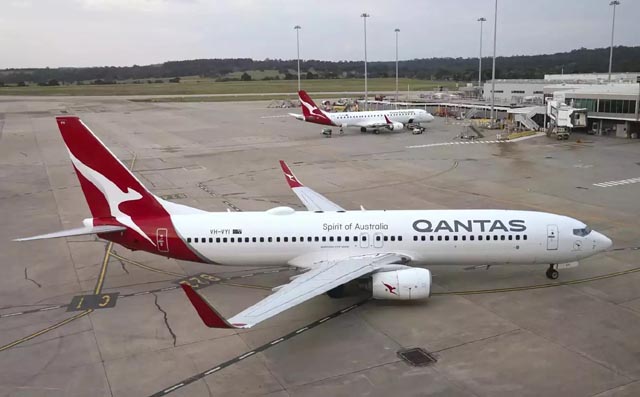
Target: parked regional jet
393,120
389,250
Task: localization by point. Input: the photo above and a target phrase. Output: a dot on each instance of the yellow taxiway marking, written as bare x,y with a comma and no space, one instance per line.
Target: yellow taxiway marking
246,285
540,286
146,267
43,331
103,270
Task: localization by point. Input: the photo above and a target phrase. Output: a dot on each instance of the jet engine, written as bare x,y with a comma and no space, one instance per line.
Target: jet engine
406,284
395,126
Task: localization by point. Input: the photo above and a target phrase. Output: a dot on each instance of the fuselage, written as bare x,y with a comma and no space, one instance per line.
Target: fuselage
432,237
360,119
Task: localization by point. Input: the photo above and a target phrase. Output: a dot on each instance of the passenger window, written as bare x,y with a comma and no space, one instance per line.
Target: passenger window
330,238
293,239
239,239
471,238
188,239
232,239
203,240
502,237
246,239
224,240
316,238
455,238
270,239
338,238
217,239
495,238
510,237
431,238
195,240
309,239
346,238
286,239
211,239
355,238
439,238
377,238
324,239
446,238
524,237
423,238
385,238
479,238
517,237
399,238
254,240
464,238
262,239
364,238
415,238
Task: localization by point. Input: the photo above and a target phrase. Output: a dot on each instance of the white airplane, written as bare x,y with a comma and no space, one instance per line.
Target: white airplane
393,120
389,250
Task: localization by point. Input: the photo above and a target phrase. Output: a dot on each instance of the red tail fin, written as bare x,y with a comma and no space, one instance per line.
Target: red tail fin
116,197
310,110
109,187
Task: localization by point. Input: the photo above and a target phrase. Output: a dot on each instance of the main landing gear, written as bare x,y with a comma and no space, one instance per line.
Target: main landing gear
552,273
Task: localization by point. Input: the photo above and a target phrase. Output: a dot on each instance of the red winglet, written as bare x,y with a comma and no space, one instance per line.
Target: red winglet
208,314
289,176
387,119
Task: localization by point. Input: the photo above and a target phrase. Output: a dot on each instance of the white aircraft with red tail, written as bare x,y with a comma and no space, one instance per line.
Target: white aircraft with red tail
391,120
387,250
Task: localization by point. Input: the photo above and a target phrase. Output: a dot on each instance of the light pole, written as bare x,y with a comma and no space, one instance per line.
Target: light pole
397,31
493,68
364,16
614,3
297,28
481,20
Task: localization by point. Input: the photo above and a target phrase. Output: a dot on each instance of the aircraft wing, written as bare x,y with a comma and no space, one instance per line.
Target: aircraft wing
297,116
81,231
311,199
376,124
320,279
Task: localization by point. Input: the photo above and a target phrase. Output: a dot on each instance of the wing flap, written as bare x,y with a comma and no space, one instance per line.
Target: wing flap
81,231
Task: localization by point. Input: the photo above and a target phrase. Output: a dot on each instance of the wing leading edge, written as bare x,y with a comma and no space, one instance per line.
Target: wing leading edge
311,199
314,282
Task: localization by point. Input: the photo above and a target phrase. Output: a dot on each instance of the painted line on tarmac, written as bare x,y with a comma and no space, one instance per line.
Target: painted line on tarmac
146,267
539,286
617,183
43,331
260,349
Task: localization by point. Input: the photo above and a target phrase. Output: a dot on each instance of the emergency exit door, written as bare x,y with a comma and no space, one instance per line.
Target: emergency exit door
552,237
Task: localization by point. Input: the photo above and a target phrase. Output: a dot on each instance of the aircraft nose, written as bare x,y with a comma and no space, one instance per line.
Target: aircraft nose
603,242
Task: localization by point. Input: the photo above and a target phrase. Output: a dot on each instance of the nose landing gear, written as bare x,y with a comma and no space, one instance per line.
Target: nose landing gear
552,273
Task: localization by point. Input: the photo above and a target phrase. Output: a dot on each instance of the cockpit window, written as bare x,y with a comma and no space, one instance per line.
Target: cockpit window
582,232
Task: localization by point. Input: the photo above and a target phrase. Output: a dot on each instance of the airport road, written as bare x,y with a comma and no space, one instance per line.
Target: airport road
572,339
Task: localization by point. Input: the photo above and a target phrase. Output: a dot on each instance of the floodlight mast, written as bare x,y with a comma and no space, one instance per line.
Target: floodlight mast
297,28
364,17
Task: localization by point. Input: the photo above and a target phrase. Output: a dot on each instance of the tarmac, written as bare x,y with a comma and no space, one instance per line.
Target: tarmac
502,331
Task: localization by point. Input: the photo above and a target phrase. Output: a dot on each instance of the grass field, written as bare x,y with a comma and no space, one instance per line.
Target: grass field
209,86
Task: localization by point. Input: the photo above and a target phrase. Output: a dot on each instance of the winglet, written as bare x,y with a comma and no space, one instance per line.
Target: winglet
289,176
208,314
387,119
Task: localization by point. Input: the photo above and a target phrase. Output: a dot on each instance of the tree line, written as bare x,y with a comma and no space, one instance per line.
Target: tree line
626,59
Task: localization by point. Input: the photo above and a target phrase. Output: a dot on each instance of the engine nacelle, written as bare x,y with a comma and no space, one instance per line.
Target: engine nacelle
406,284
395,126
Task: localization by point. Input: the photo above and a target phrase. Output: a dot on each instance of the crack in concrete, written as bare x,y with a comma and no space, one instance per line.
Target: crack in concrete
26,277
166,320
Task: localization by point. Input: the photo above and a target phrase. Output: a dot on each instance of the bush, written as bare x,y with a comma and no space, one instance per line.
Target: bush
174,80
245,77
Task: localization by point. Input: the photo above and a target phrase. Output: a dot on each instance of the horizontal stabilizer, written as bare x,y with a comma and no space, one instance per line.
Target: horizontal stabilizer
81,231
297,116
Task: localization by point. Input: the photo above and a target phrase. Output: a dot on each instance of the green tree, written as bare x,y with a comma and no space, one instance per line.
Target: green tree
245,77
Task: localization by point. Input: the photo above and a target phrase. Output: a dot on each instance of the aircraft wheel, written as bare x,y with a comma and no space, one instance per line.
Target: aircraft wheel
376,132
337,292
552,273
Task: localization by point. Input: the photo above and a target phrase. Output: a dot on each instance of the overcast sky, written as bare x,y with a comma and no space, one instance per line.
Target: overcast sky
39,33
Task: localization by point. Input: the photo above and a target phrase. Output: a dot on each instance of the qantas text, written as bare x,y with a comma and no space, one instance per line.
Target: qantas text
481,225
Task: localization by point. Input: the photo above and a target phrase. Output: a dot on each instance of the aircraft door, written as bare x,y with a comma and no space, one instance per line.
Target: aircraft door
364,240
552,237
378,240
162,240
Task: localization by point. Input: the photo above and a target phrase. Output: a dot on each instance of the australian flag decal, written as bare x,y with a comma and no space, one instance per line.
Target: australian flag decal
236,231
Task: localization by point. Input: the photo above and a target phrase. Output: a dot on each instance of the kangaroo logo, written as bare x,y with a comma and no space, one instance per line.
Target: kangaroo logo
112,194
390,289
